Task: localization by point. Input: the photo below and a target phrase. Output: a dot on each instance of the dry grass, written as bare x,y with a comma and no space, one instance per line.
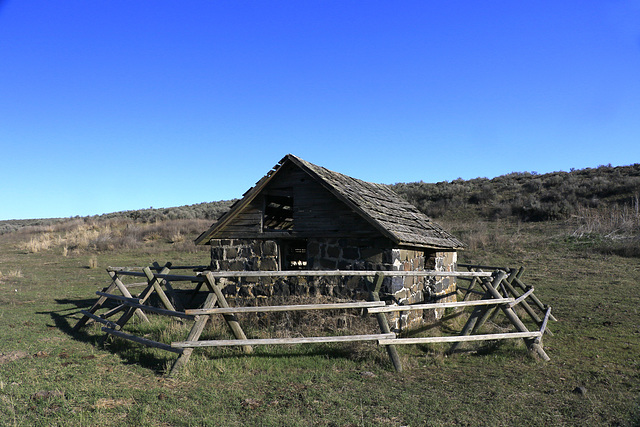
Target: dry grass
78,236
108,403
612,229
38,244
612,221
11,274
483,235
93,262
177,238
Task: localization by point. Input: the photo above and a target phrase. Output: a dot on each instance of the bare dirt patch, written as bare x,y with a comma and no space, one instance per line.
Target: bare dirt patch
12,356
112,403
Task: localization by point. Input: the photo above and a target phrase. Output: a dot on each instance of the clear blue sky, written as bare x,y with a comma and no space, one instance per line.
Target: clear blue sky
110,105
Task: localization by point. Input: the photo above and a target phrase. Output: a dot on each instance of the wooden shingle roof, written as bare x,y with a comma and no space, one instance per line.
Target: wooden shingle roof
391,215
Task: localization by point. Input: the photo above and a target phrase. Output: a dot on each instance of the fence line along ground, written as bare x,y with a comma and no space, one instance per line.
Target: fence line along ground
497,287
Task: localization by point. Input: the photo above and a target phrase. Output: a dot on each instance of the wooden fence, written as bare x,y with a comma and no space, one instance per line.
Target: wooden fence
497,288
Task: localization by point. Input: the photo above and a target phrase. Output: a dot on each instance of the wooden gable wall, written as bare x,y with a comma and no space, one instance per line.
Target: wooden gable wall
316,212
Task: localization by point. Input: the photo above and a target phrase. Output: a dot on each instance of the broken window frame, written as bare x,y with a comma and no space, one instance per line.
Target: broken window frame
277,212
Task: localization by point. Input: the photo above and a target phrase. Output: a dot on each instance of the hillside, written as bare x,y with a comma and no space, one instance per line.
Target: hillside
527,196
598,209
209,211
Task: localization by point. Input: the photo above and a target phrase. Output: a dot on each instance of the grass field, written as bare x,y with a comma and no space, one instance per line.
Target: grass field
51,376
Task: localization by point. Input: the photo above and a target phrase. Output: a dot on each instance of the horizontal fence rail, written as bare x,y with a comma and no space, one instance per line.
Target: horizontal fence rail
173,267
273,341
458,338
143,341
276,308
393,308
199,276
486,267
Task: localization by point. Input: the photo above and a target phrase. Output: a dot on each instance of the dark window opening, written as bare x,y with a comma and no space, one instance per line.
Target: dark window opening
278,212
294,254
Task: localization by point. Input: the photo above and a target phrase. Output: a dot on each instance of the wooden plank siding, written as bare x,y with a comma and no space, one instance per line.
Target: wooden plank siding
316,212
246,224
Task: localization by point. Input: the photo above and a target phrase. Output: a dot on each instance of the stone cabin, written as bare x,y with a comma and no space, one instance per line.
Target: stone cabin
301,216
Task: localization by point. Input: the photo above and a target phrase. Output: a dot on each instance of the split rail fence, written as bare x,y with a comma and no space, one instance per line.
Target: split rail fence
496,287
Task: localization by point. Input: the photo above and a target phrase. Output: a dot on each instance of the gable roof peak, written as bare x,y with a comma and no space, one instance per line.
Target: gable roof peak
378,204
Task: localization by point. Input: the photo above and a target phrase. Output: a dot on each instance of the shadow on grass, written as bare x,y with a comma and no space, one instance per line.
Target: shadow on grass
440,324
279,352
130,353
65,320
447,325
135,354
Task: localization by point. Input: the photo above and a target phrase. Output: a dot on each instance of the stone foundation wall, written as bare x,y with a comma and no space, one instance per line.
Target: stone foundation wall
244,255
414,290
339,254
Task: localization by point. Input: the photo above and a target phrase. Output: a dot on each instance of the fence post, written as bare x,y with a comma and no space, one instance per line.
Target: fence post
513,317
229,318
374,295
477,313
